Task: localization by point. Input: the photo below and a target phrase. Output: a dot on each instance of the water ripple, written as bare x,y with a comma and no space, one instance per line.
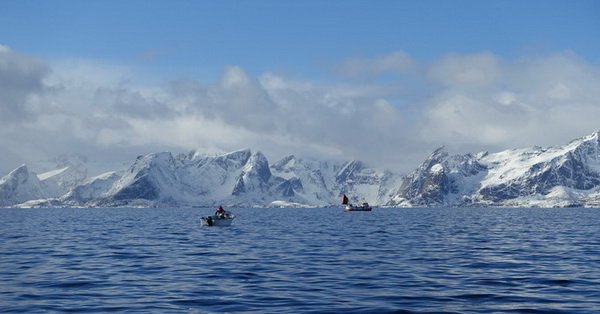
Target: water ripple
301,261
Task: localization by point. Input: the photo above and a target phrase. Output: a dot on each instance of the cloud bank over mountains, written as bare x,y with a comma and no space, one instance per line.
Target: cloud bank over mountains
390,110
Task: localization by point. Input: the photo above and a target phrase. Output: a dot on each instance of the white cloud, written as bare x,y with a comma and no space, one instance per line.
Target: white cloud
473,70
486,101
463,101
21,77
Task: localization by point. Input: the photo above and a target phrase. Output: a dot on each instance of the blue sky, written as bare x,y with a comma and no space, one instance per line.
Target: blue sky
198,38
385,82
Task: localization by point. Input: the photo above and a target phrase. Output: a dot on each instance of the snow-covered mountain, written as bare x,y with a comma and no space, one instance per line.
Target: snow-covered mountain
240,178
92,189
557,176
19,186
22,185
361,183
311,179
63,173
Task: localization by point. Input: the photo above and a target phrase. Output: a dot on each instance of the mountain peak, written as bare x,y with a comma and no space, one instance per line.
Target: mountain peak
156,158
242,155
21,168
438,152
518,177
21,173
594,136
285,162
255,175
259,165
19,186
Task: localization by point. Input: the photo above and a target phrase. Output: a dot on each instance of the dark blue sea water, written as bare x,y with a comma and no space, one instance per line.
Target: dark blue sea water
301,261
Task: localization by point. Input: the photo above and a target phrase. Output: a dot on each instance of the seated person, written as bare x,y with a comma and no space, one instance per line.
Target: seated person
220,213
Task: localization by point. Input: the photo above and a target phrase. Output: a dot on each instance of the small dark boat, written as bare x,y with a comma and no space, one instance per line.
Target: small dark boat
219,219
364,207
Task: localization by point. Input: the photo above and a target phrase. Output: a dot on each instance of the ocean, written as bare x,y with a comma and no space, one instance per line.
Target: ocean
390,260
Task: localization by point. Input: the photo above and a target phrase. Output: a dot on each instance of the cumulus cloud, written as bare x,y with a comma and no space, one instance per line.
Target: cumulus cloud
284,115
21,77
467,102
122,101
474,70
488,101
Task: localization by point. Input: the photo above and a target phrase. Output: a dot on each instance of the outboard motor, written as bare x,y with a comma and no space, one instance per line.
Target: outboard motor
209,221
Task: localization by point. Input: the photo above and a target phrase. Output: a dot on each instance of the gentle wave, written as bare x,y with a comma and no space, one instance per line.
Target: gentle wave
301,261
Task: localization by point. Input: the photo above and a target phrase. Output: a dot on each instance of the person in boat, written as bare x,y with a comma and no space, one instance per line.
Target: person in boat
220,213
345,201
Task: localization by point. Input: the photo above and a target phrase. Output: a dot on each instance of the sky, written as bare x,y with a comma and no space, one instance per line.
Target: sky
385,82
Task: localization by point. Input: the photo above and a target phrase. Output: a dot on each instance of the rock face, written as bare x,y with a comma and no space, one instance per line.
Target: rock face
440,180
255,176
556,176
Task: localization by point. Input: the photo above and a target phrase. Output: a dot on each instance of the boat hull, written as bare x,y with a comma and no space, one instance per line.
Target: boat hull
212,221
358,209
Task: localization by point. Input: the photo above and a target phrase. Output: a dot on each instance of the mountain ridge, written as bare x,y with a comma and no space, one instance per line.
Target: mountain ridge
557,176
